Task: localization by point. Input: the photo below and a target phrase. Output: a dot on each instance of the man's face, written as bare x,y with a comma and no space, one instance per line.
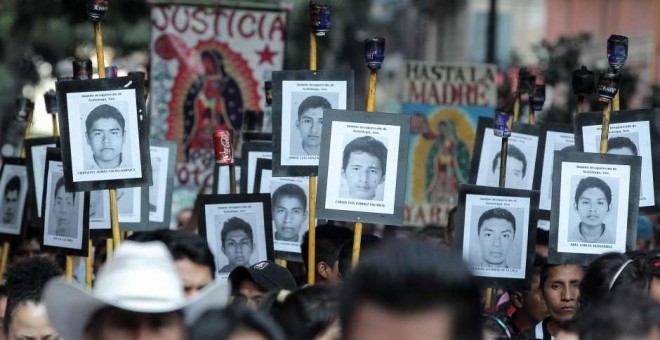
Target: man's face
10,206
310,124
534,305
562,290
30,321
237,248
106,138
117,324
621,151
372,322
495,240
592,207
289,215
363,174
654,288
194,276
514,172
63,207
251,292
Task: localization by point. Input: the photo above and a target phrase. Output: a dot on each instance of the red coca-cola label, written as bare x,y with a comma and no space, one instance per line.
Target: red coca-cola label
222,143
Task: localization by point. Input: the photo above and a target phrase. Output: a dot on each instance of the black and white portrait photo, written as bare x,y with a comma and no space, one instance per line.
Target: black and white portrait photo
251,152
132,207
239,234
290,203
496,235
596,206
554,141
36,156
298,113
63,211
99,210
632,139
363,165
103,133
13,186
263,176
159,202
520,162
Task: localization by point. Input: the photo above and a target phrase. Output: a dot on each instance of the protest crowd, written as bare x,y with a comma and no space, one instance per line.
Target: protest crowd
544,231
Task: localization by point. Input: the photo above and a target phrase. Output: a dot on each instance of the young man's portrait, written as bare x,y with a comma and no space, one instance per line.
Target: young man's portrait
516,167
10,201
289,212
106,135
237,243
621,146
309,124
63,215
363,168
592,202
496,229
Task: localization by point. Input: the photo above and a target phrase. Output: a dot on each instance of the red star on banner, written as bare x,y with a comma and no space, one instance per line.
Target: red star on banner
266,56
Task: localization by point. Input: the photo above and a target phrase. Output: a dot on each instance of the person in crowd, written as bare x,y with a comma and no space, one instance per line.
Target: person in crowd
235,322
10,201
3,309
560,289
345,265
106,135
192,257
329,239
623,315
495,328
29,246
289,212
652,263
252,283
25,316
621,146
237,243
542,240
310,125
496,229
530,308
593,201
608,273
434,234
363,168
309,313
138,293
410,289
516,167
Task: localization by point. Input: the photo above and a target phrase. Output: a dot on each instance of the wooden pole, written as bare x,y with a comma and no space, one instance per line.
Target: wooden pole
3,261
580,104
604,133
311,232
109,247
89,265
68,271
100,55
312,51
232,179
503,156
616,103
516,107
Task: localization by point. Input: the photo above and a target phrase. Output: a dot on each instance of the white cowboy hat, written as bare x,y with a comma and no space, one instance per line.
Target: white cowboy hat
141,277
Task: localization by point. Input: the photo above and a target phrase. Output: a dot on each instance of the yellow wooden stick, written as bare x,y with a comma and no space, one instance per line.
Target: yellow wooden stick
68,269
532,117
357,240
56,128
605,128
312,51
371,95
5,257
109,246
100,55
89,265
616,102
232,179
280,262
311,233
516,108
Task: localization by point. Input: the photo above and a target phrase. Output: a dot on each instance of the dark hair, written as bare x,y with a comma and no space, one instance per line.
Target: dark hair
410,277
367,243
514,152
216,58
545,270
14,184
25,283
496,327
181,244
222,323
60,184
542,237
497,213
627,314
622,142
600,273
593,182
306,313
313,102
104,111
369,145
235,223
329,239
291,190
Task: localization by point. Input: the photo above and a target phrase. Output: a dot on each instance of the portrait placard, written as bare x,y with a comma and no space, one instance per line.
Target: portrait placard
554,137
104,133
263,176
66,213
496,232
100,223
237,229
362,174
14,188
163,162
35,151
133,209
221,178
594,207
521,155
251,152
299,98
631,132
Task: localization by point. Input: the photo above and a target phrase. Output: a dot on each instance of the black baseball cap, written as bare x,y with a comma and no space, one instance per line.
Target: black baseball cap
266,274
